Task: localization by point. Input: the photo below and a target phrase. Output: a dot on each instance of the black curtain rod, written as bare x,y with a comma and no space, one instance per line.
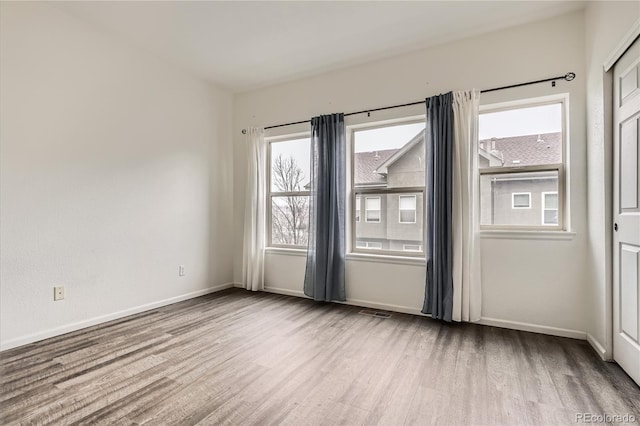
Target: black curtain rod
568,77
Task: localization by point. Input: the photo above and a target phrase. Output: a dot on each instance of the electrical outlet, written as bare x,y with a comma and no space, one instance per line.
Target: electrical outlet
181,271
58,293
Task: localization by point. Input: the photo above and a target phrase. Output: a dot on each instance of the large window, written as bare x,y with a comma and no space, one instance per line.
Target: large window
289,166
521,157
388,184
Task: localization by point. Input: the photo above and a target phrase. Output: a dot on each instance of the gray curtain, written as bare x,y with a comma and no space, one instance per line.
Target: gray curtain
324,276
438,300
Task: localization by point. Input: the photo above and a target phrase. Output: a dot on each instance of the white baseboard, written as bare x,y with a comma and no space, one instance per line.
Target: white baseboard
535,328
52,332
285,291
599,348
513,325
352,302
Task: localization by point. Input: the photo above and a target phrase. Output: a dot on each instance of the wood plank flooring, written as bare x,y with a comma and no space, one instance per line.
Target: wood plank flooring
244,358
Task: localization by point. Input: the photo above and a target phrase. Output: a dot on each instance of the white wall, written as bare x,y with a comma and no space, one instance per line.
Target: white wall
606,23
532,281
116,168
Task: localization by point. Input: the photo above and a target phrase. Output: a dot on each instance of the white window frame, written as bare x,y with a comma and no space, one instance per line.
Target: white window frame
367,210
513,200
271,195
544,208
559,168
357,210
377,191
415,208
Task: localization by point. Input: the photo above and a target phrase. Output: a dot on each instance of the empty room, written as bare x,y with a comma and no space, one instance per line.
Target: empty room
319,212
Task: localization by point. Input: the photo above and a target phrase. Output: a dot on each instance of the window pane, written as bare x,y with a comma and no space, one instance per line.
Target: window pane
289,220
551,201
394,228
551,217
372,206
521,137
496,197
407,202
389,157
290,165
407,216
373,203
521,201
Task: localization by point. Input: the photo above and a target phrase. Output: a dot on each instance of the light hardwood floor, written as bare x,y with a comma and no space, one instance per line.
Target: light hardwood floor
237,357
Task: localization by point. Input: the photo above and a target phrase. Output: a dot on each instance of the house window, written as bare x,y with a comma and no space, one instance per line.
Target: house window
521,157
411,247
407,207
521,200
549,208
372,209
357,205
388,172
288,215
375,245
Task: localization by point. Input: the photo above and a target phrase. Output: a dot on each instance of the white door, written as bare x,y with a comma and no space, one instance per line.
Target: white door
626,205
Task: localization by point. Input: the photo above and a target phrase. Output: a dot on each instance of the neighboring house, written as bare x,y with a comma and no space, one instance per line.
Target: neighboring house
521,198
395,221
390,221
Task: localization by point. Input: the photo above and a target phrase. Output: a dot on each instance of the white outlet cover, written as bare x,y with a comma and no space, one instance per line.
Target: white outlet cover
58,293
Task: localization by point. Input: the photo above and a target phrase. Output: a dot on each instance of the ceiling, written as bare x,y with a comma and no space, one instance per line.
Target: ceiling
247,45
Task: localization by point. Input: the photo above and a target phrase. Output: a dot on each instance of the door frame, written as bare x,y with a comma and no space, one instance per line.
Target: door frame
614,56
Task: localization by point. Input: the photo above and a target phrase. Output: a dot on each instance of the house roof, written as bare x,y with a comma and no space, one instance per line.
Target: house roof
525,150
366,163
371,167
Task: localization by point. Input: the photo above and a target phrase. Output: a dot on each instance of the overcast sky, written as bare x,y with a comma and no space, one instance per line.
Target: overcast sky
523,121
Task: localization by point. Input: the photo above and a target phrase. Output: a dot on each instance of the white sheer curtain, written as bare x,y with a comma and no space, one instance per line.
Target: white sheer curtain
467,285
254,211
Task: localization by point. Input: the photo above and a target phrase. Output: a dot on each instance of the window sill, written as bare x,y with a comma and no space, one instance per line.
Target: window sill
380,258
357,257
495,234
286,251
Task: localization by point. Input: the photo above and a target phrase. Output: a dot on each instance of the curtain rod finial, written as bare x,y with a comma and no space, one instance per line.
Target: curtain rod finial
570,76
244,131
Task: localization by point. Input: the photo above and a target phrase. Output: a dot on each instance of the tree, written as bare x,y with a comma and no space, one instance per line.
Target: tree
290,214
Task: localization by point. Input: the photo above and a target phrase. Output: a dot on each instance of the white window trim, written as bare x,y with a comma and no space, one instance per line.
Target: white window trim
544,206
357,210
415,209
366,210
513,200
270,194
561,168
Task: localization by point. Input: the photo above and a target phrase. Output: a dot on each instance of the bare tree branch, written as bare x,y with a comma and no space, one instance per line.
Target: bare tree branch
290,214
